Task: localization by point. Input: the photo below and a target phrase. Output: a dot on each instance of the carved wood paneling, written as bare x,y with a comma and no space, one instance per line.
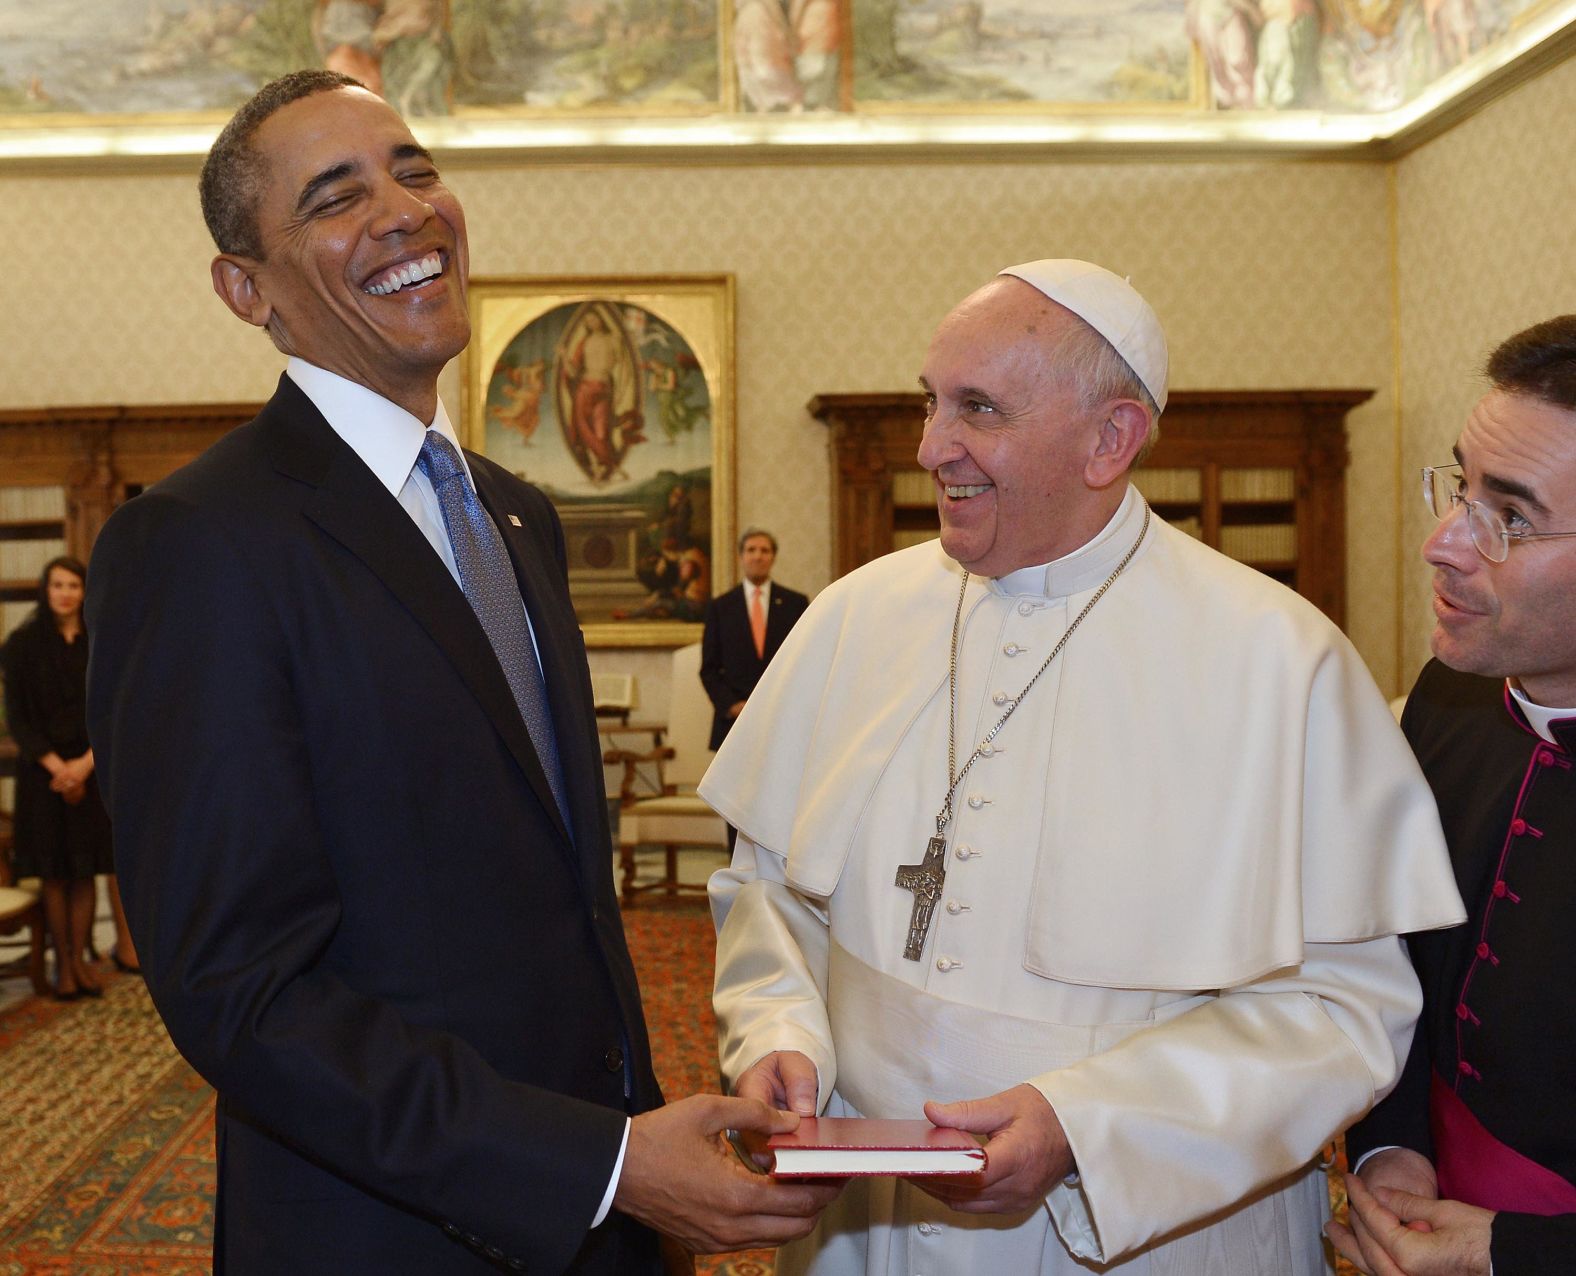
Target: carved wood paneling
874,436
100,453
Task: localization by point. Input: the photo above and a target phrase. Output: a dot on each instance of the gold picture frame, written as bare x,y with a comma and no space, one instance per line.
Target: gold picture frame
615,396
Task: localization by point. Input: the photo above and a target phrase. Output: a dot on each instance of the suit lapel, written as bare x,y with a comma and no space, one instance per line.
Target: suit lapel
350,505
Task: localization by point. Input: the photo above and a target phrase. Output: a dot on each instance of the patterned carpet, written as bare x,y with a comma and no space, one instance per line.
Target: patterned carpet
106,1142
106,1136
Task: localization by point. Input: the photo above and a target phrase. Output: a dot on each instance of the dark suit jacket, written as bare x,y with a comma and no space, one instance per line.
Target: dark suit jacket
729,667
357,906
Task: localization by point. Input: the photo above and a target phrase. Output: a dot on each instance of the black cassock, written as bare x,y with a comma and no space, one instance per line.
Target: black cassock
1497,1041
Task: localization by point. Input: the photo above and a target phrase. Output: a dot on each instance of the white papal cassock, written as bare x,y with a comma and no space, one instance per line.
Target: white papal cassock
1173,893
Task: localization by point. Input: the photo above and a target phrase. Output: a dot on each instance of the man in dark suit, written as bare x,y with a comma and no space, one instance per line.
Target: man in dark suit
1469,1166
342,713
744,629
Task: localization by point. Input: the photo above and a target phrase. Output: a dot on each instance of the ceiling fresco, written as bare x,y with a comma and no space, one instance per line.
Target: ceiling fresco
762,69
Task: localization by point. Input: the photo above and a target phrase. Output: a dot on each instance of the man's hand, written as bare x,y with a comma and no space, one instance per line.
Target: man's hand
1411,1235
784,1079
1026,1157
735,709
1399,1168
681,1178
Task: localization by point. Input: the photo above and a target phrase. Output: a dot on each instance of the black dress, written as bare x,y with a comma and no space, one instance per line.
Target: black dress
45,705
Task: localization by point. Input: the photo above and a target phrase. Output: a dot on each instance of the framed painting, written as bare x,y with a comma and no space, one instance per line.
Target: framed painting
615,397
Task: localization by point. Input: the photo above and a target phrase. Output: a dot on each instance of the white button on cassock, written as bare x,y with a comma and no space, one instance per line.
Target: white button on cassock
1012,649
965,851
1025,609
944,964
976,801
999,698
955,908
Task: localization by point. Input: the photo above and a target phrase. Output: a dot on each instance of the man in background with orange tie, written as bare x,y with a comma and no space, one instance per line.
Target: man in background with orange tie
744,629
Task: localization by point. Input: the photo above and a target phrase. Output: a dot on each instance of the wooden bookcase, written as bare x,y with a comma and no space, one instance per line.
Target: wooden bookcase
64,470
1258,474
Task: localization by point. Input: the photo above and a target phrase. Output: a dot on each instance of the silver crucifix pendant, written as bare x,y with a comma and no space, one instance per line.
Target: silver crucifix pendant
925,879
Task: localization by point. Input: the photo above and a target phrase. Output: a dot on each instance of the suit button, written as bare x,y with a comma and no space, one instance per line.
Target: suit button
613,1060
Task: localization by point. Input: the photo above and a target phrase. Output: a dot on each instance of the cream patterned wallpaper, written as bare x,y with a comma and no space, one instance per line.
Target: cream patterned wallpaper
1487,240
1265,274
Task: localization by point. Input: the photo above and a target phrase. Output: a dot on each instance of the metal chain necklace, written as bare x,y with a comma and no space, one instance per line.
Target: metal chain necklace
927,877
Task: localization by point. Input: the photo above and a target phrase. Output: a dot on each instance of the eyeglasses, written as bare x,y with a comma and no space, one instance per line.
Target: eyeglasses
1444,493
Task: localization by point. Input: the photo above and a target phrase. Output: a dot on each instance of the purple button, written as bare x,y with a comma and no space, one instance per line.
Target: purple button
1483,950
1461,1010
1464,1068
1500,889
1545,757
1518,827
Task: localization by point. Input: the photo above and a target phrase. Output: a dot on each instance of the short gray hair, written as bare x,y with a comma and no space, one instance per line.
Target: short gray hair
1092,364
750,532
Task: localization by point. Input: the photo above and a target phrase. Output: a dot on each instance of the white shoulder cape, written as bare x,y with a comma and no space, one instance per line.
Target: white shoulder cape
1224,777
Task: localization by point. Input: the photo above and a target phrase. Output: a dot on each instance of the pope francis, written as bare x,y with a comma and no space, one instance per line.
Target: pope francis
1073,833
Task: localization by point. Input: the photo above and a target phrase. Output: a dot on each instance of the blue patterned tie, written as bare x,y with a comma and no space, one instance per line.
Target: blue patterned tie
487,577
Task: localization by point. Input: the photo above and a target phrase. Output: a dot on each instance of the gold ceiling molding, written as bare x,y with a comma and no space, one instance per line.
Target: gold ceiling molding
910,133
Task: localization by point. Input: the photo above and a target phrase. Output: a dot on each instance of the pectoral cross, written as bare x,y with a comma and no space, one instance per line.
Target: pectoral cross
925,879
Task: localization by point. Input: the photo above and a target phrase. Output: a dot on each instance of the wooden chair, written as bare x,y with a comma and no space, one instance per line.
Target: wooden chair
675,817
613,695
20,910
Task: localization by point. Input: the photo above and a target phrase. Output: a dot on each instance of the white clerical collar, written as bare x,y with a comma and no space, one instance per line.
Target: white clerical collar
385,436
1088,565
1539,716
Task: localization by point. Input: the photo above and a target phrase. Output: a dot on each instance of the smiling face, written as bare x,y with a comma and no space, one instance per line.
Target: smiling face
1516,618
365,257
1007,438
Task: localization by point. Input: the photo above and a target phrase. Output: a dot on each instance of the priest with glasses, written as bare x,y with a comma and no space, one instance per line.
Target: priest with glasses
1469,1167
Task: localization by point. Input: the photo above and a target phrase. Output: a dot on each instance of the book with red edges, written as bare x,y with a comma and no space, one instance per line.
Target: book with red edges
840,1147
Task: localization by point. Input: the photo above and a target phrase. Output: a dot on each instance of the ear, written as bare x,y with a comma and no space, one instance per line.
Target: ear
1121,437
235,280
